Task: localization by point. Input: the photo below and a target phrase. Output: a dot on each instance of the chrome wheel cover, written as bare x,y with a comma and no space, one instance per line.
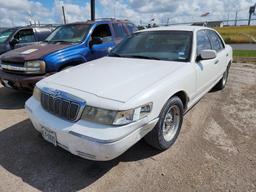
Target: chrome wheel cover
171,123
225,76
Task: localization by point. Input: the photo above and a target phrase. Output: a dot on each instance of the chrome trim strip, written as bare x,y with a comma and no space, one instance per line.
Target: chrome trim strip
14,68
147,126
63,146
85,155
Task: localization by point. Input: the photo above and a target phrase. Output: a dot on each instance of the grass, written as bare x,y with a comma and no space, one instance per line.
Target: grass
244,53
238,34
244,56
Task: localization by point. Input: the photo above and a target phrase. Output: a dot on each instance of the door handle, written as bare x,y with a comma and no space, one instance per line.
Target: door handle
216,62
227,55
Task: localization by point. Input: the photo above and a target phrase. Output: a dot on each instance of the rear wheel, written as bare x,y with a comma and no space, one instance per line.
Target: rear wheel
222,83
168,127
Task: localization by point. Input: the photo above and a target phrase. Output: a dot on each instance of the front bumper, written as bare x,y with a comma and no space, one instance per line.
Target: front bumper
20,82
85,139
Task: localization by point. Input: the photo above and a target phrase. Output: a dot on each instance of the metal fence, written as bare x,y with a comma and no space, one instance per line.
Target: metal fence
238,22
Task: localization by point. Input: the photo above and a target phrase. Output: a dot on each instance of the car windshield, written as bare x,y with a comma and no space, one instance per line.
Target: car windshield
4,35
159,45
73,33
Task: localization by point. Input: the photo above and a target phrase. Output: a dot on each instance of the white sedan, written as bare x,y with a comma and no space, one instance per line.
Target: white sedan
143,88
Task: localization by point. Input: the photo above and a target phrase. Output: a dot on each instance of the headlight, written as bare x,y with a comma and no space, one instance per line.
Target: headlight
37,66
37,93
111,117
98,115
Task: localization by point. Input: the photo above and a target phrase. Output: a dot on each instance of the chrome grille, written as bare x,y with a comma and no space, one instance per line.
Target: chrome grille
14,63
16,67
62,107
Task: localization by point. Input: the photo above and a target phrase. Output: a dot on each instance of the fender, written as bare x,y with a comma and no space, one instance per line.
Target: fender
72,62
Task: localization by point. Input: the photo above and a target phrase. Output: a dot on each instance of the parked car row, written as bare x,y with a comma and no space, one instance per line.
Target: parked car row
67,46
142,89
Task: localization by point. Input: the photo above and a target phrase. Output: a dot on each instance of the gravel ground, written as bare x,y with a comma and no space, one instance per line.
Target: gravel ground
215,151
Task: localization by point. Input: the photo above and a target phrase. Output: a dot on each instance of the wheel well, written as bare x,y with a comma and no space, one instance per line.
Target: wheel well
229,64
71,63
183,97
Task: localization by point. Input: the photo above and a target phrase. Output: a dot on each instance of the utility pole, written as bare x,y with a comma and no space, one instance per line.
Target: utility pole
92,10
228,18
251,11
167,23
236,18
64,16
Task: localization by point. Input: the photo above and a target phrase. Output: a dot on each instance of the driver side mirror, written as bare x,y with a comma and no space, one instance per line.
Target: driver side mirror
95,41
109,50
13,42
207,54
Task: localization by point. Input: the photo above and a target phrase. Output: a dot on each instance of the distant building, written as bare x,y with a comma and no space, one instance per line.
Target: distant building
209,24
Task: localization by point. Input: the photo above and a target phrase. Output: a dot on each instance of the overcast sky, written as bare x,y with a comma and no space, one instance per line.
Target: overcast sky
20,12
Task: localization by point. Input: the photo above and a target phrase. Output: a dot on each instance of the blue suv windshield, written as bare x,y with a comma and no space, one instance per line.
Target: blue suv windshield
157,45
73,33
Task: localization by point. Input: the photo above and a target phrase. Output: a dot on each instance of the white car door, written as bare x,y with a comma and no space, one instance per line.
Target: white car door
205,69
222,55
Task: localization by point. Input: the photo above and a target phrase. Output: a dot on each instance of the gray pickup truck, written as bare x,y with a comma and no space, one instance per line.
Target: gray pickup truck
22,36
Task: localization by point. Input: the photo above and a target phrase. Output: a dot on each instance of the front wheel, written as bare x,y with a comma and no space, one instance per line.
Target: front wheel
168,127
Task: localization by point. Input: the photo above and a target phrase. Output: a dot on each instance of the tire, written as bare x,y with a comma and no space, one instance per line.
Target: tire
222,83
168,126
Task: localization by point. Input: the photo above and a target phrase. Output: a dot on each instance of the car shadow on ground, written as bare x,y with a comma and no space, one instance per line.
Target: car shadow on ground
25,154
11,99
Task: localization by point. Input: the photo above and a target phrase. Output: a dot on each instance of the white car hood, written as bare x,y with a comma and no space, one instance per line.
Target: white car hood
115,78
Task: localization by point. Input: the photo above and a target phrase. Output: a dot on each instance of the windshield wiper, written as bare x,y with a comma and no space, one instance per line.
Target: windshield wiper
49,41
134,56
142,57
60,41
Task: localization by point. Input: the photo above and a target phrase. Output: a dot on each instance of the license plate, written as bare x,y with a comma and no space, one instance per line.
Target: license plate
6,84
49,135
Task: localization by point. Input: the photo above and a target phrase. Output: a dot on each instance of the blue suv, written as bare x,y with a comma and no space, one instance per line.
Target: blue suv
68,45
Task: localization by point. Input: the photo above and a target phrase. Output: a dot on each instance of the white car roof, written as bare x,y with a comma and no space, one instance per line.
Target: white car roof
176,28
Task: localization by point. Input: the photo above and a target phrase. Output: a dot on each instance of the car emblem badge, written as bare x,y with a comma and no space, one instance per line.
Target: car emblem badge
57,93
